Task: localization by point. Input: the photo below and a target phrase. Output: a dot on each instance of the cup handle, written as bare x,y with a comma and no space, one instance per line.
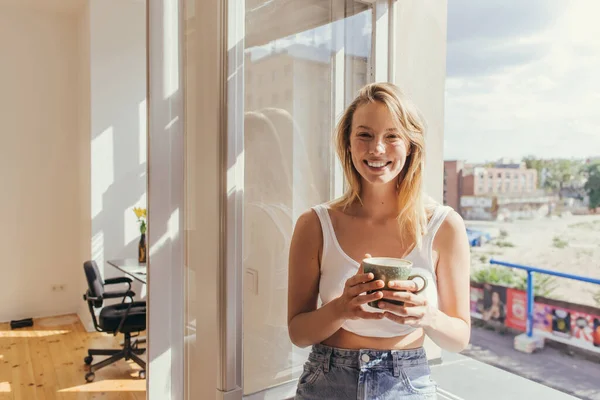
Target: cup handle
410,278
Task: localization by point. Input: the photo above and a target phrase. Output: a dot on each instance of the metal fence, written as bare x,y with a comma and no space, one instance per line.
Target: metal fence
530,292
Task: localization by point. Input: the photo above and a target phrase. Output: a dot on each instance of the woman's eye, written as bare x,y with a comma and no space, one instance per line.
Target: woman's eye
363,135
393,137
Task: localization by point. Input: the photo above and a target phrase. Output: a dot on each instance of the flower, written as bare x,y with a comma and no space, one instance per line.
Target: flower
142,216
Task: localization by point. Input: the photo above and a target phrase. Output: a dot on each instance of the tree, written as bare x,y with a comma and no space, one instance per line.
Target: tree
560,173
592,186
535,163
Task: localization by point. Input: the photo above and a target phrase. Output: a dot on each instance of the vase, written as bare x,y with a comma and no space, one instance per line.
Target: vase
142,249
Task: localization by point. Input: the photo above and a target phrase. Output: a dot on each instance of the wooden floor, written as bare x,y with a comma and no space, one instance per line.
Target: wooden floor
45,362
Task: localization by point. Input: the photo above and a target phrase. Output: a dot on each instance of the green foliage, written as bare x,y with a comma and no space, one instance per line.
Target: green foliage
543,285
495,275
559,173
503,243
592,186
559,243
483,258
534,163
503,234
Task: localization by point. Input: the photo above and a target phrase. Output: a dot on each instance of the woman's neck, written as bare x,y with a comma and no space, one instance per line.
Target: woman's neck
379,202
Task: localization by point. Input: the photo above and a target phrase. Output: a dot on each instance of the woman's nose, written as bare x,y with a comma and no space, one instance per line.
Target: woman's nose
378,147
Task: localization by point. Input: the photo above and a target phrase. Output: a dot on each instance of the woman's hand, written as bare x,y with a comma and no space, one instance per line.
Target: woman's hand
351,301
415,311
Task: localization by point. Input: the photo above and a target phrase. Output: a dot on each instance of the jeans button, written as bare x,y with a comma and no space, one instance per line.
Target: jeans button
365,357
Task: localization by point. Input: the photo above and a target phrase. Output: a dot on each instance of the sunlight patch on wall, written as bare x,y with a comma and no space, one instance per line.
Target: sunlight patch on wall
171,233
103,172
142,117
98,249
171,48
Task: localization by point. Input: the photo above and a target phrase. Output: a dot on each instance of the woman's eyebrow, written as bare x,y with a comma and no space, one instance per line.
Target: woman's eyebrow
370,129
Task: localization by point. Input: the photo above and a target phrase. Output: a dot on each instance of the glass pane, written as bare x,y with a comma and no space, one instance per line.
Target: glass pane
301,58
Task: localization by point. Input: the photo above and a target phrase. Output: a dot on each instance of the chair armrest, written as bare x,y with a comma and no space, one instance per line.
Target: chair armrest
119,294
120,279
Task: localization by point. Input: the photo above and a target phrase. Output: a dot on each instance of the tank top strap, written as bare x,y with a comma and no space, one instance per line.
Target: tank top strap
439,215
326,226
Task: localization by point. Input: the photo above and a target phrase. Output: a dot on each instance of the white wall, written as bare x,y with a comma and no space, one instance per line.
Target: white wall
44,198
420,70
118,128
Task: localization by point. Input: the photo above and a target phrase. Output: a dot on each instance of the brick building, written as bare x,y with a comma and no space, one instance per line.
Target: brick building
487,192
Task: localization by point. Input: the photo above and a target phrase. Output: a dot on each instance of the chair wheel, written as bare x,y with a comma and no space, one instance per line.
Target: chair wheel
89,377
142,374
88,360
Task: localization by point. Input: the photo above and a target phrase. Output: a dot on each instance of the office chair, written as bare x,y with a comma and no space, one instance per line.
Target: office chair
125,318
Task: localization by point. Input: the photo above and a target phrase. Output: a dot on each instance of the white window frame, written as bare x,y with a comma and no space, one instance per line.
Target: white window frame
232,381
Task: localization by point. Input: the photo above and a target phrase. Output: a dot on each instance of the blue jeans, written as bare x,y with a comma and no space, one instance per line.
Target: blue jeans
331,373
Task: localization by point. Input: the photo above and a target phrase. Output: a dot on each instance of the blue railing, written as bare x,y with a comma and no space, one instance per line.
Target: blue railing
530,293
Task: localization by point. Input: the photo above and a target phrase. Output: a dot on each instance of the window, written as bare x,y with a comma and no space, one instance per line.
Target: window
288,164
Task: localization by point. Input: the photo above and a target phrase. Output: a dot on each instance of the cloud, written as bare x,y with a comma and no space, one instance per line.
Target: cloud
524,89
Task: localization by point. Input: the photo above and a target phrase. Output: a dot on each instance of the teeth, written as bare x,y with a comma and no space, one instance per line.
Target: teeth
376,164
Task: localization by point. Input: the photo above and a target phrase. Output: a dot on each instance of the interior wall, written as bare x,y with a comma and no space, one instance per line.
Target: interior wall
44,195
118,129
420,70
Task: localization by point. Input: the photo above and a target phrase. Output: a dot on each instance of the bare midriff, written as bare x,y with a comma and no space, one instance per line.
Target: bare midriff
344,339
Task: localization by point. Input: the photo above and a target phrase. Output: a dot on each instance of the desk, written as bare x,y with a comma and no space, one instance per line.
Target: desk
131,267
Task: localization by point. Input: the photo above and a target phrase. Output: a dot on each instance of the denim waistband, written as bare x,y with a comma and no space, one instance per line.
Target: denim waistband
367,358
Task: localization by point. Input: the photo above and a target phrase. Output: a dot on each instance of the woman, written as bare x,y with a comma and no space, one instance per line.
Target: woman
359,351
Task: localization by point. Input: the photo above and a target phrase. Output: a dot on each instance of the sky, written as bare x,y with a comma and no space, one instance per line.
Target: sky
523,78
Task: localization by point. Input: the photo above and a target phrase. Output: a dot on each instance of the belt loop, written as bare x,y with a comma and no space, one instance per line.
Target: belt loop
396,364
327,360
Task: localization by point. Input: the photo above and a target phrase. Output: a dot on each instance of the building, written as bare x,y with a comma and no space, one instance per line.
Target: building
502,190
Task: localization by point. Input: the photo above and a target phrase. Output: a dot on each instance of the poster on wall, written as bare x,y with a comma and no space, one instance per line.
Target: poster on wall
476,301
516,312
516,309
582,327
494,303
561,322
596,334
509,306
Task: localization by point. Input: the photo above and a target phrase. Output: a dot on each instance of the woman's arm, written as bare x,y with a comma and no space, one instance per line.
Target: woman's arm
308,325
450,326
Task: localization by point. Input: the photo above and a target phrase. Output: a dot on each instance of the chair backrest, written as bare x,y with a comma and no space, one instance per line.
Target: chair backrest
94,280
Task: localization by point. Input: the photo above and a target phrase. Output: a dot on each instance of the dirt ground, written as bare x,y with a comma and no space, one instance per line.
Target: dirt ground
569,244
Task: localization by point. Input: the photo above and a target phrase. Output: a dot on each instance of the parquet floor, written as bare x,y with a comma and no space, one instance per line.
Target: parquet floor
45,362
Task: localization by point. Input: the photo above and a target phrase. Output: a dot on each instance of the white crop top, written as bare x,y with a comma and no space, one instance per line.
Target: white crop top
337,267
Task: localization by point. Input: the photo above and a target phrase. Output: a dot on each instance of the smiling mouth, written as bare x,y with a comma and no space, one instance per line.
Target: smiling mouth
377,164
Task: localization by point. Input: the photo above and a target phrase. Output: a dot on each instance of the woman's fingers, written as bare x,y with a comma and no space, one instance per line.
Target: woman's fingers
410,285
365,287
359,278
369,315
411,311
400,319
365,298
406,297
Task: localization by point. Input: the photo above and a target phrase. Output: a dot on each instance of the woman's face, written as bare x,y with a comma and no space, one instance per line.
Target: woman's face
377,147
495,298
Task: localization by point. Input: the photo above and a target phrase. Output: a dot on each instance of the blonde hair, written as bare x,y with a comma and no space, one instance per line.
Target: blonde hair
413,215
